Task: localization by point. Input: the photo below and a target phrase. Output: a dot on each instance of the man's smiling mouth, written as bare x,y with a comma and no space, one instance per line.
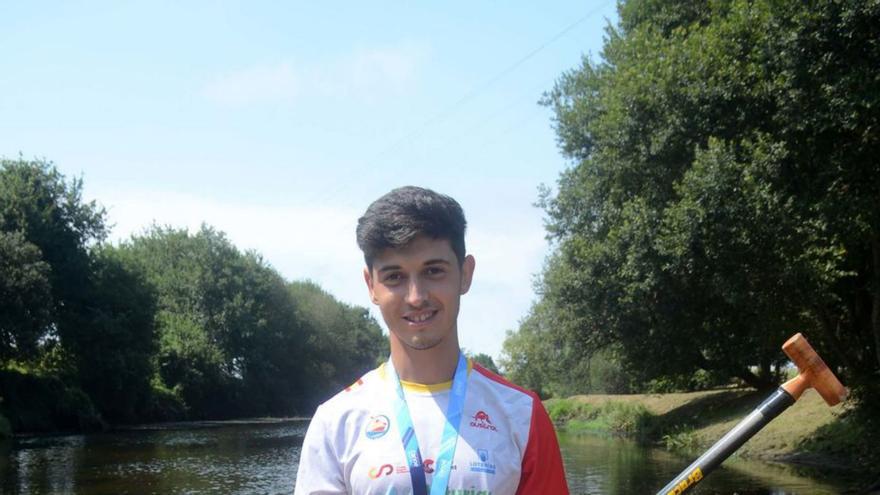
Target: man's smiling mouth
421,317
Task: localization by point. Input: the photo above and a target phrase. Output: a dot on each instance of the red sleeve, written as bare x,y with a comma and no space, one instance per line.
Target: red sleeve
542,470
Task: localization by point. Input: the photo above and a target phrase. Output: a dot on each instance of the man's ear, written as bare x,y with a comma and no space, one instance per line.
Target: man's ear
368,278
467,273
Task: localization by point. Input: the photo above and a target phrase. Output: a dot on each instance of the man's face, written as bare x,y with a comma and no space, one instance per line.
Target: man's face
417,289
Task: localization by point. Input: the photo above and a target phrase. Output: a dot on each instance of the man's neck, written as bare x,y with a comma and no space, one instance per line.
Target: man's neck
427,366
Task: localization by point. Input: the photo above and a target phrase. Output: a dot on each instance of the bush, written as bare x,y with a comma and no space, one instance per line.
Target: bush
624,418
40,403
5,427
564,410
681,439
166,404
698,380
616,418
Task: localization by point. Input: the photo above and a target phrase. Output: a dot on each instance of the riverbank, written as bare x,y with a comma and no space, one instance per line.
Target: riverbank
809,432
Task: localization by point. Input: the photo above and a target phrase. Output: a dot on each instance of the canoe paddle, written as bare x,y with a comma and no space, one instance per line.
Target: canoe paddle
812,372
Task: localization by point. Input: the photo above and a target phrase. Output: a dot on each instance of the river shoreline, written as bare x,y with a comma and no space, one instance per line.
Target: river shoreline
810,433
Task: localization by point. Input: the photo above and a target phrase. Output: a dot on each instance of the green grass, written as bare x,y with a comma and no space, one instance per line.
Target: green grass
615,418
809,431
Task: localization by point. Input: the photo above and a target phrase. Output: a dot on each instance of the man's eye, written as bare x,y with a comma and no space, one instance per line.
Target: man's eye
434,270
392,277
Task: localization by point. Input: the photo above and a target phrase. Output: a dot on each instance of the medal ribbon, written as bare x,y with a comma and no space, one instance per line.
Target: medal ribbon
448,440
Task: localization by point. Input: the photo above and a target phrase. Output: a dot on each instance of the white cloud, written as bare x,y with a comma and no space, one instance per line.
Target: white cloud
382,71
260,84
366,74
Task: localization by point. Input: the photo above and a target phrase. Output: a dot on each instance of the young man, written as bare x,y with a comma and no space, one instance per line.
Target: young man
429,420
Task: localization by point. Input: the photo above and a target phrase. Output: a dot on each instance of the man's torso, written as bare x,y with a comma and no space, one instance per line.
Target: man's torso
493,434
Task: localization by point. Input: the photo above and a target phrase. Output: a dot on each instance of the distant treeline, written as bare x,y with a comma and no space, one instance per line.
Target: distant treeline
167,325
723,194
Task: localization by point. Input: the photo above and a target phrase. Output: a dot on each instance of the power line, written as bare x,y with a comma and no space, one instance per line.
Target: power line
453,107
488,84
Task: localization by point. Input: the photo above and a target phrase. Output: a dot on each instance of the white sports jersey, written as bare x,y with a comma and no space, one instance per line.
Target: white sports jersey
506,442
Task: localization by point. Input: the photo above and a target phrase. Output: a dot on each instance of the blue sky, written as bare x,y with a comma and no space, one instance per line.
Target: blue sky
279,122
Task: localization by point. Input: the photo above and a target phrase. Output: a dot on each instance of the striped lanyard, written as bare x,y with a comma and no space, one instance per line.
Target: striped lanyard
450,432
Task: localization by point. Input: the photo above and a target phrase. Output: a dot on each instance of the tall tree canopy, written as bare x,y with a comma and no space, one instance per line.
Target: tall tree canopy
67,305
26,312
230,339
47,230
167,325
724,188
346,341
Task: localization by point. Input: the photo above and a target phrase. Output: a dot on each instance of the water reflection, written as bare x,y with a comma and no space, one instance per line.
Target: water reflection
596,465
230,458
261,457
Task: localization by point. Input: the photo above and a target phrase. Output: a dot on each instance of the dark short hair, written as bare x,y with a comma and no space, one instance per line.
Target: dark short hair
405,213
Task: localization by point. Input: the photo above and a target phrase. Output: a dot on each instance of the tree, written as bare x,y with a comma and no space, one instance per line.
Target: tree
119,340
70,309
540,356
486,361
48,213
346,341
26,294
231,338
724,188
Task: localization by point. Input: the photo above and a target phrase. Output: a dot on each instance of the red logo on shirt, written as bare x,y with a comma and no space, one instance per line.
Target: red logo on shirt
481,420
384,469
388,469
354,385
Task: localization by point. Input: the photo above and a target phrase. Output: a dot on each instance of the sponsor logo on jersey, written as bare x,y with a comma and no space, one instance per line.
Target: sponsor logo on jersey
377,472
354,385
484,465
377,426
481,420
383,470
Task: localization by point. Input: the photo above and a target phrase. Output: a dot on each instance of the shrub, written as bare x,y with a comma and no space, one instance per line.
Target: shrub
36,403
564,410
5,427
616,418
681,439
166,404
625,418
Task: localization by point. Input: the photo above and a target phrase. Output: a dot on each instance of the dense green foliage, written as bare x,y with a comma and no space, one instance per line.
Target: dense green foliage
26,294
338,326
485,361
615,418
167,325
723,194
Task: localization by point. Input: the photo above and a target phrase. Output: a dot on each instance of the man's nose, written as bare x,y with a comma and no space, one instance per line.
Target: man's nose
416,293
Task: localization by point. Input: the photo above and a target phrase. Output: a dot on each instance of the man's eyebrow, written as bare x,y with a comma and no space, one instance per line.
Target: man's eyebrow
387,268
430,262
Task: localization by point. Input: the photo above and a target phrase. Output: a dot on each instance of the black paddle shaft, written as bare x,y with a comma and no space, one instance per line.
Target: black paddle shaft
779,401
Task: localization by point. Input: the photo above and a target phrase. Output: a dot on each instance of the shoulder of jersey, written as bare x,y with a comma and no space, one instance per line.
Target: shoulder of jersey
498,381
356,391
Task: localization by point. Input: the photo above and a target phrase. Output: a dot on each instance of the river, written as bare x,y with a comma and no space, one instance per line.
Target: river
259,457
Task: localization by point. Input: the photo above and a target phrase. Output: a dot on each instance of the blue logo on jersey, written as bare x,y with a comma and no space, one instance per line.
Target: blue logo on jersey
484,466
377,426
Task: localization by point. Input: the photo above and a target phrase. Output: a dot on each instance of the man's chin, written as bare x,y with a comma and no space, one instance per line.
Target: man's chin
421,344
